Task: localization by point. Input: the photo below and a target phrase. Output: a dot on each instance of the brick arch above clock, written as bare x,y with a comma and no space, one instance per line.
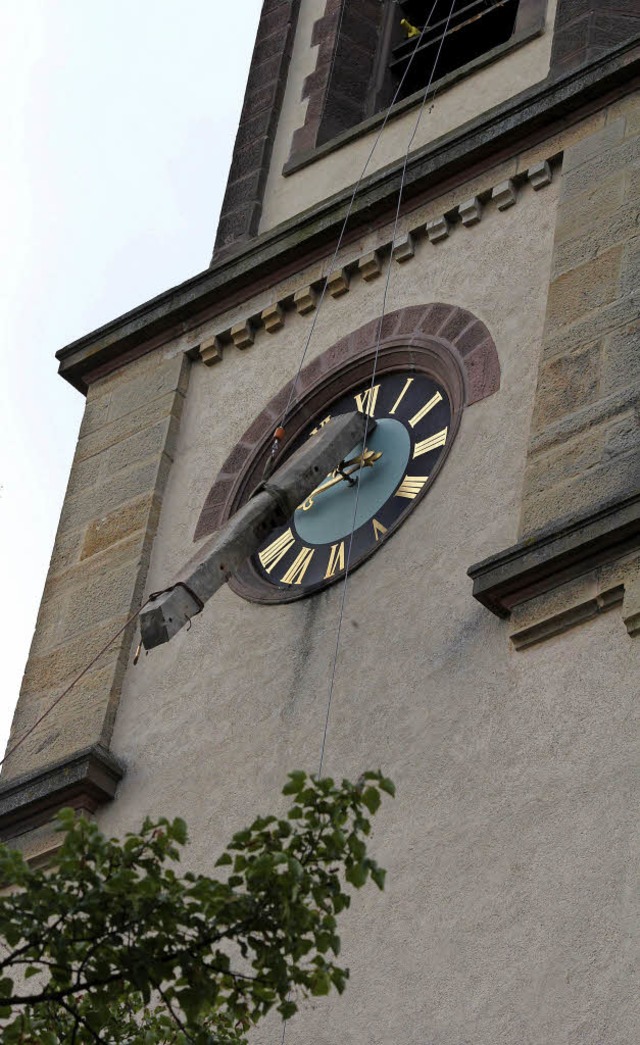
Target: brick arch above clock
461,341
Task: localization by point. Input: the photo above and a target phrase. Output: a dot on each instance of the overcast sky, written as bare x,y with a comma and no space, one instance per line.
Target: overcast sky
117,122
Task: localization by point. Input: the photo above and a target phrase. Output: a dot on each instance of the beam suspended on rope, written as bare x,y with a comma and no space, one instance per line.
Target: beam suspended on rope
272,504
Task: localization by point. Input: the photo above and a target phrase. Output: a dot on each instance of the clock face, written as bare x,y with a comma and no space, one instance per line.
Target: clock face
350,514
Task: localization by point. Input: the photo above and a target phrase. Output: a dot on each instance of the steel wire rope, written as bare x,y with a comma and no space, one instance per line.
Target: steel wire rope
352,199
373,377
374,370
10,751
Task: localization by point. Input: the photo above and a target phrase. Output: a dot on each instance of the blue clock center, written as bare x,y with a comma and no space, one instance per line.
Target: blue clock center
331,516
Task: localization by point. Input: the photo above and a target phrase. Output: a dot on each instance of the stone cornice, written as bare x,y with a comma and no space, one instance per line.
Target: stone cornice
529,118
85,781
553,557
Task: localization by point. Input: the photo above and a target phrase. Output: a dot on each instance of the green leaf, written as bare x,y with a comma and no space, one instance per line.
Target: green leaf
124,908
378,875
371,798
357,874
180,830
296,783
320,983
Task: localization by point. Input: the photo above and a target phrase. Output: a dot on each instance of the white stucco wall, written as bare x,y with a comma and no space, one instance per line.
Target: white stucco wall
508,845
451,108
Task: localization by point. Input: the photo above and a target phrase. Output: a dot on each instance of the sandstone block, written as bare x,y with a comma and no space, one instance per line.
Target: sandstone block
582,494
565,385
631,603
128,484
470,212
84,474
564,461
243,334
630,269
621,358
305,300
211,351
114,432
338,282
505,194
561,141
168,375
623,436
66,550
601,141
96,412
583,290
627,109
146,445
553,612
603,410
273,318
438,229
630,107
90,571
143,368
596,238
47,674
540,175
114,527
632,187
81,719
594,325
369,265
403,248
600,167
108,596
592,208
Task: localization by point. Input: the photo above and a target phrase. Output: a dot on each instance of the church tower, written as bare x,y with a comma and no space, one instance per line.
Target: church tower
431,218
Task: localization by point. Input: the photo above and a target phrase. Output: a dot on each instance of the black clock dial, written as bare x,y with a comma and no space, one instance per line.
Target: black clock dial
351,514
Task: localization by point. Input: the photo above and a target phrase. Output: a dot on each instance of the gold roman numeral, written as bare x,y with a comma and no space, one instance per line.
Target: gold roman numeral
275,551
402,395
336,559
366,401
437,398
411,486
439,439
295,573
378,528
321,425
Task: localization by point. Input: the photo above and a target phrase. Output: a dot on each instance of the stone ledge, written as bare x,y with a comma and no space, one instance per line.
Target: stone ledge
369,265
85,781
531,117
553,557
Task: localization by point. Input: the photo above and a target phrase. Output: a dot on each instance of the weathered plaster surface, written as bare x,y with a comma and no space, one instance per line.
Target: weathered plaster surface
512,843
286,196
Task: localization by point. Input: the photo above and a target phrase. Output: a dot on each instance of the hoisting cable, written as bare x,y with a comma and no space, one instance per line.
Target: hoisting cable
9,752
352,199
374,370
345,584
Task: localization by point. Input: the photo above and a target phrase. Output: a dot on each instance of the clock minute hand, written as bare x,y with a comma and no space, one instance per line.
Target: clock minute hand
364,460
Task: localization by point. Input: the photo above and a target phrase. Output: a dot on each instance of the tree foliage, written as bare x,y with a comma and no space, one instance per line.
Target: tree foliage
112,944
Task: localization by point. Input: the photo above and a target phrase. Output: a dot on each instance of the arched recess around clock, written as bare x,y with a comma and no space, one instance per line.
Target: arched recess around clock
443,341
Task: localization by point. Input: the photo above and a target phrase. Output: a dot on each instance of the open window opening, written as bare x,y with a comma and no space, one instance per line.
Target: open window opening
452,39
380,41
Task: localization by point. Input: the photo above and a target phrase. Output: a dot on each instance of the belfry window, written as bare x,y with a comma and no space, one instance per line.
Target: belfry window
458,32
381,51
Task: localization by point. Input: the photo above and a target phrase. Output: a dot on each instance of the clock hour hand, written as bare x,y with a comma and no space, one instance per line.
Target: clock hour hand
343,473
